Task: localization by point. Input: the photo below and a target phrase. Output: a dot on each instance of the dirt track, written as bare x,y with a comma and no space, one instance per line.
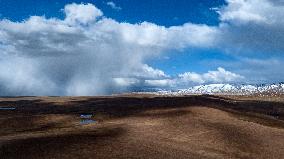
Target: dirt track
141,127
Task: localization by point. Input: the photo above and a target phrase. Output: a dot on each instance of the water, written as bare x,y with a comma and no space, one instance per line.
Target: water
86,119
7,108
86,116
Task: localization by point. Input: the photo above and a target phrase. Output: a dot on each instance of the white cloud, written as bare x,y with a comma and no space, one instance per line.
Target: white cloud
251,25
192,77
258,11
244,11
126,82
113,5
175,37
188,79
161,83
150,72
218,76
86,53
81,13
21,76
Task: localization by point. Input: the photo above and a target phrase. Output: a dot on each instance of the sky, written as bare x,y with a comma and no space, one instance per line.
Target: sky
96,47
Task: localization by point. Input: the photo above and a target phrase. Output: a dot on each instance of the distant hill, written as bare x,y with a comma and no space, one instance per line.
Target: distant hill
227,89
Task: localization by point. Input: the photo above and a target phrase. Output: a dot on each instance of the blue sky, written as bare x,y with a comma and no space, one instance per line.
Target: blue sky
161,12
124,44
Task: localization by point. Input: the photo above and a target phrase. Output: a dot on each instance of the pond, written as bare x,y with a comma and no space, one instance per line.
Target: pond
7,108
86,119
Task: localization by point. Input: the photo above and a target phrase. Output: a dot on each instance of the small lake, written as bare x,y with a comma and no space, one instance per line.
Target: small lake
86,119
7,108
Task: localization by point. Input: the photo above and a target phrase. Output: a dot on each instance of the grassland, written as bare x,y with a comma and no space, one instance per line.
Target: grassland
142,126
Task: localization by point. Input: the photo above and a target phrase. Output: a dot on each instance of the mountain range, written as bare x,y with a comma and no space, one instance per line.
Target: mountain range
226,89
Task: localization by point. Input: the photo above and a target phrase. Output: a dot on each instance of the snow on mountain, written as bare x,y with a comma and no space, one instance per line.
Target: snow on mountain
227,89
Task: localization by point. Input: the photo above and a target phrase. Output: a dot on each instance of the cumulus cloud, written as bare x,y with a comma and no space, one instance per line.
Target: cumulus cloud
149,72
258,11
242,11
252,25
161,83
86,53
188,79
81,13
218,76
253,29
113,5
126,82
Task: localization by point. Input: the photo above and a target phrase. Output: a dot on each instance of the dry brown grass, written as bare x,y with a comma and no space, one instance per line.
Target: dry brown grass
142,127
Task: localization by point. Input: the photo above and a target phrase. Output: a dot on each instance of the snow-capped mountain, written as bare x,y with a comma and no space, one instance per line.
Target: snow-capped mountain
229,89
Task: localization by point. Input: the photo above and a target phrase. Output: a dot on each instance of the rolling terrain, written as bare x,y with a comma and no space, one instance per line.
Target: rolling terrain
142,126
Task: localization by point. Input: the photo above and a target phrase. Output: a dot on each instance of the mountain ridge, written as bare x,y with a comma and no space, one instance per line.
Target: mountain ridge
226,89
